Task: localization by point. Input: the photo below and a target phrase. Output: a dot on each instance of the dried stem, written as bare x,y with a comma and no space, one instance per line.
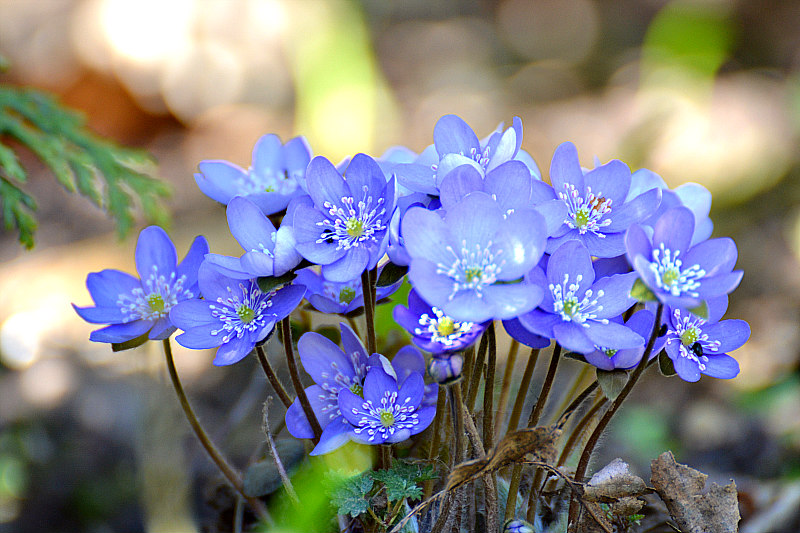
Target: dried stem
505,388
369,308
477,370
522,393
488,390
583,462
216,456
286,333
546,387
437,430
286,400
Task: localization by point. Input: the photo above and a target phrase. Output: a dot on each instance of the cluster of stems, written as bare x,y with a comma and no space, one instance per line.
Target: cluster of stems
455,430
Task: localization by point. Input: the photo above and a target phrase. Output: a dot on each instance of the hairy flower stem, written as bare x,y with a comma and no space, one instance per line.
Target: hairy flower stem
457,413
227,470
477,371
469,360
577,431
505,388
583,462
522,393
384,457
576,403
488,390
536,413
437,437
286,333
369,309
576,383
286,400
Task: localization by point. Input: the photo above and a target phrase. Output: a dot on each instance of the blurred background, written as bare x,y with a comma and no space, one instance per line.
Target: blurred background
704,90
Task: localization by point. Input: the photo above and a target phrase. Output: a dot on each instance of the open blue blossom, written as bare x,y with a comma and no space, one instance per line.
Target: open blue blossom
234,315
692,195
679,274
455,144
576,309
343,226
134,306
268,252
432,330
275,177
333,370
461,263
598,213
697,346
338,297
604,358
386,411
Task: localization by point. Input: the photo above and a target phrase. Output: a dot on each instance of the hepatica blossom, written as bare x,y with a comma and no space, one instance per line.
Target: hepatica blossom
234,315
274,178
461,263
679,274
597,212
386,412
344,225
432,330
334,370
697,346
335,297
576,309
134,306
641,323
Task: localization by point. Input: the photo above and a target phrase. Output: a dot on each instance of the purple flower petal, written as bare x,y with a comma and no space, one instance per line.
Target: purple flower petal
721,366
155,253
674,230
573,337
571,261
686,369
613,335
610,181
251,229
565,168
234,351
731,334
322,359
348,267
451,135
121,332
335,435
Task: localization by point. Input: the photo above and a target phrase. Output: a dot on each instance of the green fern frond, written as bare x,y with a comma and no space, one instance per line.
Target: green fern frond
112,177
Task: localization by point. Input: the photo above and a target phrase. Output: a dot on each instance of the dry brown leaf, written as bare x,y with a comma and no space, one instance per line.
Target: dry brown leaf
539,441
695,511
613,482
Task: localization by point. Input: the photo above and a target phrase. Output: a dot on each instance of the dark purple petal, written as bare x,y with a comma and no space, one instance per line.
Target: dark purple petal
565,168
351,406
732,334
336,434
404,317
632,212
322,359
517,331
600,360
325,184
573,337
674,230
571,260
717,256
610,181
234,351
425,417
613,335
352,344
451,135
191,262
106,286
286,300
411,390
376,384
155,253
686,369
251,229
721,366
349,267
326,305
121,332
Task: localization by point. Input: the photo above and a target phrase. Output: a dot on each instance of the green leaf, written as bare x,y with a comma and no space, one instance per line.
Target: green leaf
642,292
401,480
665,365
129,345
612,382
391,274
271,283
351,496
701,310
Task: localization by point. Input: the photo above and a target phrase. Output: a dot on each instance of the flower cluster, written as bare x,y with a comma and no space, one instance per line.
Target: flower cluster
602,261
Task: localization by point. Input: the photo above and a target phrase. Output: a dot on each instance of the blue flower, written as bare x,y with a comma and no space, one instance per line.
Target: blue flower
343,226
335,297
275,177
604,358
432,330
334,370
268,252
576,309
461,263
455,144
598,213
386,411
679,274
134,307
235,314
697,346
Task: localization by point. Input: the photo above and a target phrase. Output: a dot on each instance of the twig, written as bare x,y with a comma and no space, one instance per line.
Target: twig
286,333
273,450
286,400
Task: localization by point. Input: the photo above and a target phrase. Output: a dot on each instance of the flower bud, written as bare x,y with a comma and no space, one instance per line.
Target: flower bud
517,526
446,368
